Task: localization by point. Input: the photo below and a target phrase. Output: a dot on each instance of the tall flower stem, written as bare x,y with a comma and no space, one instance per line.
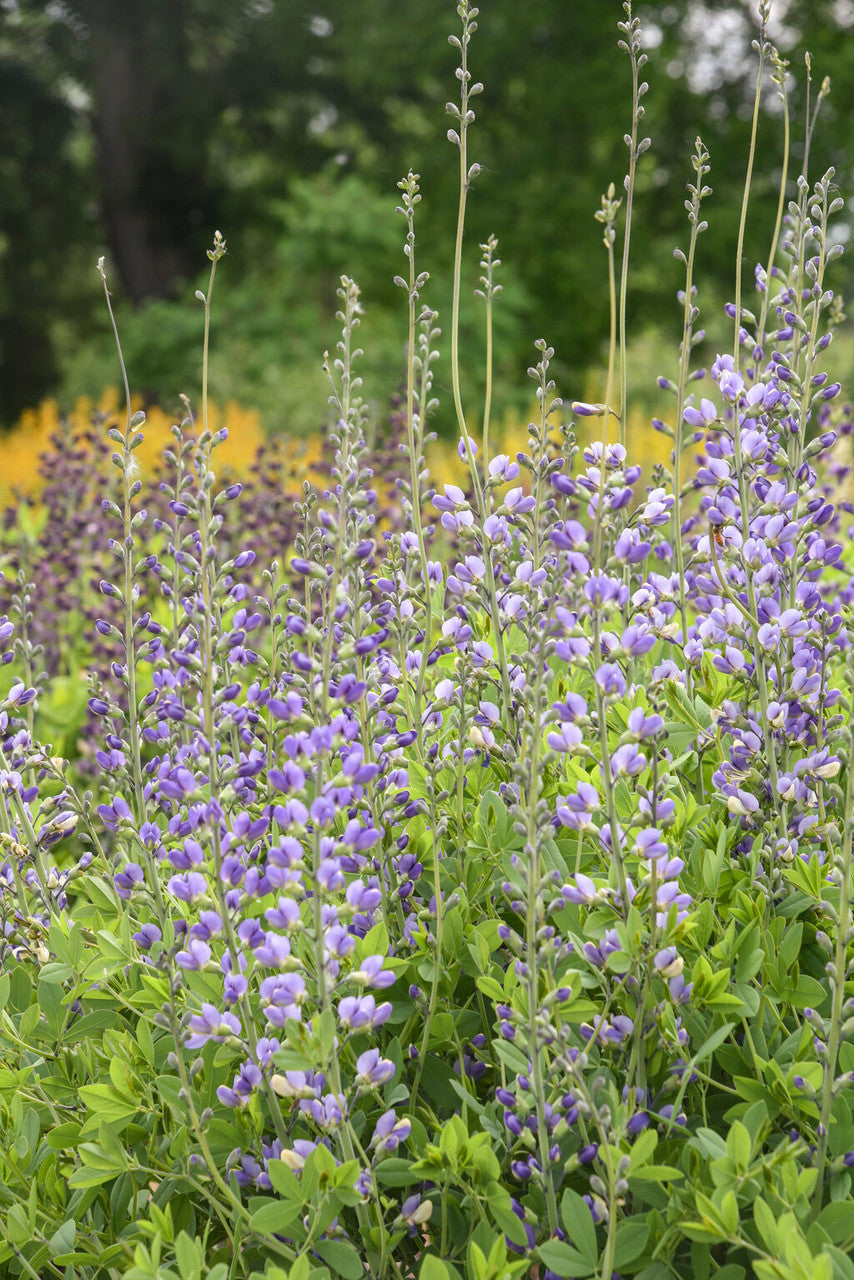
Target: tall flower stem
837,972
698,192
207,571
234,1202
413,284
31,839
607,778
765,51
130,487
631,46
440,921
532,922
780,78
489,293
606,215
343,402
465,116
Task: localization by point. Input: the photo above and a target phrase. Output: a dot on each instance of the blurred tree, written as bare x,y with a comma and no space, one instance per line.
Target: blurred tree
42,217
159,76
258,116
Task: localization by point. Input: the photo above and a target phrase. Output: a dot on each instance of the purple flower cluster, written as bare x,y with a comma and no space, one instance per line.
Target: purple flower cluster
344,777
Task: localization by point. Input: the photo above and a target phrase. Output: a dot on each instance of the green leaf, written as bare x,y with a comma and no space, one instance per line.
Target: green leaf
766,1224
291,1060
106,1104
92,1177
64,1137
790,944
342,1259
714,1041
111,948
275,1216
433,1268
708,1143
631,1242
190,1256
396,1172
739,1145
699,1231
837,1220
490,987
102,895
168,1088
657,1173
284,1180
842,1263
565,1261
578,1221
62,1240
498,1200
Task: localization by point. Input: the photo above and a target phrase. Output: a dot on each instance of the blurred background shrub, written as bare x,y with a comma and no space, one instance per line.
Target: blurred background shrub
137,127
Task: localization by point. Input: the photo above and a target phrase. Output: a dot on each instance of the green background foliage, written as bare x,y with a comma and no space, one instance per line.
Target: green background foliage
138,127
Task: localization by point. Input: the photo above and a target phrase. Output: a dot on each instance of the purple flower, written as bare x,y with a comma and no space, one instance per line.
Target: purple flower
565,738
611,680
649,844
415,1212
329,1111
362,1012
575,811
453,499
731,383
501,468
627,761
146,936
210,1024
638,1122
390,1132
189,887
583,891
371,973
372,1069
234,986
129,879
112,815
285,915
701,417
245,1084
197,955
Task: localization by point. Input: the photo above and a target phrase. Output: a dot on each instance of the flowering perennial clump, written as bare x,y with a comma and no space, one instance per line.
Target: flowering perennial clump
449,882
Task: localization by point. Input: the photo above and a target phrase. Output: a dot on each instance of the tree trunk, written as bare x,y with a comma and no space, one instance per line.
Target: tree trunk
134,50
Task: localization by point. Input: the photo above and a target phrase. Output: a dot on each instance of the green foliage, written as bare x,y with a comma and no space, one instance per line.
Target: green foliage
696,1140
291,133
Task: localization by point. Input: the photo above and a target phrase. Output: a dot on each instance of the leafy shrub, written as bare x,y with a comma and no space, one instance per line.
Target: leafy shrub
468,899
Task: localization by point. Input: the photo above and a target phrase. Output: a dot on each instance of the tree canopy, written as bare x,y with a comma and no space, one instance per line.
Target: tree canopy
137,128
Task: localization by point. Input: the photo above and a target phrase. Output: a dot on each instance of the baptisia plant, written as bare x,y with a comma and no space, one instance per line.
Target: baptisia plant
463,883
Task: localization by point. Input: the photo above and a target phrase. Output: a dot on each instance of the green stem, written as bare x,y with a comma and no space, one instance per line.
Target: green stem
207,573
637,112
465,177
778,222
607,779
415,442
437,959
134,733
742,223
684,365
837,978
